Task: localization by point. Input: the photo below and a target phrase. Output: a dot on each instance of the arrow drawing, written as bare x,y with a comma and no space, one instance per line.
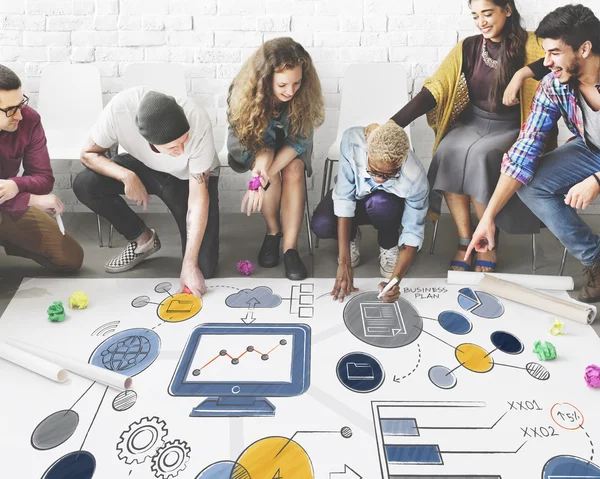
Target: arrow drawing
252,303
348,473
249,316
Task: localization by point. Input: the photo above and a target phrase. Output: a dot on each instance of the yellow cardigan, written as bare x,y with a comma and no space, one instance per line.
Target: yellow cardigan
449,88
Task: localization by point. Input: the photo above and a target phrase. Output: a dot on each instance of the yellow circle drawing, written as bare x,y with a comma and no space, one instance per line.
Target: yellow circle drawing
179,307
276,457
474,358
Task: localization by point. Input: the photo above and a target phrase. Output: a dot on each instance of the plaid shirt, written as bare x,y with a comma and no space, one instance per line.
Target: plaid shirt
551,101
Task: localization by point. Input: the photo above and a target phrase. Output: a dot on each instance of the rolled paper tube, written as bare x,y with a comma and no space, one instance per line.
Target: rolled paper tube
33,363
89,371
553,283
573,310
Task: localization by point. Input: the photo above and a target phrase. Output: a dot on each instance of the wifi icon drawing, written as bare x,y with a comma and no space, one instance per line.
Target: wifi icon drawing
106,329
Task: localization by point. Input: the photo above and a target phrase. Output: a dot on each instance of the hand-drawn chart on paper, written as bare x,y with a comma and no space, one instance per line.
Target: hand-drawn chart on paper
271,379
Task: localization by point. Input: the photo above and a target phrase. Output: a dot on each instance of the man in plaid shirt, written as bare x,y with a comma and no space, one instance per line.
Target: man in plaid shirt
555,184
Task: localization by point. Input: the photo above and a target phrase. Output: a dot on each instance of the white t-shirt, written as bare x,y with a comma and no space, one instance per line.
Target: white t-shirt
117,125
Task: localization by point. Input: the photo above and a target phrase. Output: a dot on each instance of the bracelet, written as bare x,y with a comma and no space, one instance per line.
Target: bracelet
596,178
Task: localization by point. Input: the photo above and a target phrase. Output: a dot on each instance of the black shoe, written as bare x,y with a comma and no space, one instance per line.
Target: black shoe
294,267
268,256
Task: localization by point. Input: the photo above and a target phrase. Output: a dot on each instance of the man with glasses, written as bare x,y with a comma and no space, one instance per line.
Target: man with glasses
382,183
170,154
26,229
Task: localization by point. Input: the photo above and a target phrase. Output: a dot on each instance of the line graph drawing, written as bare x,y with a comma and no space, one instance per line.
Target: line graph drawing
235,360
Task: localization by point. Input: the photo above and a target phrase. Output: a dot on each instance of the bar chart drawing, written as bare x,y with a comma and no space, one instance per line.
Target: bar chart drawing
466,439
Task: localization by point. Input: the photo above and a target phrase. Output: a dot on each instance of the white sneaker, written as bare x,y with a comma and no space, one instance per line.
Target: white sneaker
387,261
354,249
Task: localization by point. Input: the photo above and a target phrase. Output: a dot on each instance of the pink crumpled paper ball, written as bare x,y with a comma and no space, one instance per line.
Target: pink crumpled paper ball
245,267
254,184
592,376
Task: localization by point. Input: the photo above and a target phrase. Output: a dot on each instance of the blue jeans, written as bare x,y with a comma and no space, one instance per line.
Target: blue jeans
556,173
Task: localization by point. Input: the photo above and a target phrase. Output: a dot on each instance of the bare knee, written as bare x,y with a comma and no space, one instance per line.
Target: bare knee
294,172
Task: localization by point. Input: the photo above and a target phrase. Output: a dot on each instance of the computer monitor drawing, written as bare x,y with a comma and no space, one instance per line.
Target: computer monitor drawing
238,367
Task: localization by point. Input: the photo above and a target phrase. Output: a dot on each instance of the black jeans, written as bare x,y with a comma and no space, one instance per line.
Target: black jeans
102,195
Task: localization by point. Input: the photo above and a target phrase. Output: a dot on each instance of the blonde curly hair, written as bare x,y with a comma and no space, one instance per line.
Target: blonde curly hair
251,101
388,144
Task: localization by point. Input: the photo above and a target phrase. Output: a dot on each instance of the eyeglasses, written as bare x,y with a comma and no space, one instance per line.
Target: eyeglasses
11,111
383,176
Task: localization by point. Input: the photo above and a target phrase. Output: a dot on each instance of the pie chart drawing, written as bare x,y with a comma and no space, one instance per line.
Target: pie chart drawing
480,304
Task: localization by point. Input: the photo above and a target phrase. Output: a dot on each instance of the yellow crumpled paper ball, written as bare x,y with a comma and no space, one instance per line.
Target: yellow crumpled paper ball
78,300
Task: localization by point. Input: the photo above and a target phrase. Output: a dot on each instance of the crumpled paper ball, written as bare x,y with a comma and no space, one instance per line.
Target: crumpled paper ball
56,312
557,328
245,267
254,184
78,300
592,376
545,351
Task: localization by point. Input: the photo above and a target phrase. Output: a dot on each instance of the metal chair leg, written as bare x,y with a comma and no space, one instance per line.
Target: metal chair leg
307,215
563,262
534,252
110,236
323,192
435,231
99,231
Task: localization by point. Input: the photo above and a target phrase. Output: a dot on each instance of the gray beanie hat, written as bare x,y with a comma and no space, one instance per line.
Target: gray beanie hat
160,119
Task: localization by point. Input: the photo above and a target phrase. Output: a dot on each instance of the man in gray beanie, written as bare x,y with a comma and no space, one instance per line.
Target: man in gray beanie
170,154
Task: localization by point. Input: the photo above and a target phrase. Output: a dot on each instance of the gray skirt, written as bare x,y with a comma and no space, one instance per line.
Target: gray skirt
468,160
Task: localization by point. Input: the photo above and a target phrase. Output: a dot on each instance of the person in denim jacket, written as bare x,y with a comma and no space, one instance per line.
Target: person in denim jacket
274,105
380,182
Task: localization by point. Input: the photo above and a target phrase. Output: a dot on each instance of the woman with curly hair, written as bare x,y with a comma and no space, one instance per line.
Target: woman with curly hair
473,128
274,105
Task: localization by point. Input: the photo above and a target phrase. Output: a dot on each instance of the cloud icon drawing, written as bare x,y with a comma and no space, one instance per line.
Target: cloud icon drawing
259,297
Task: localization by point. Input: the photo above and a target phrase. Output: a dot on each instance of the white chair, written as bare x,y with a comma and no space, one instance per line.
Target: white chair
223,154
365,101
70,102
167,78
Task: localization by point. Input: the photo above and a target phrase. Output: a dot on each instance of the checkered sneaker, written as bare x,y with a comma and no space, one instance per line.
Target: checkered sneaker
132,255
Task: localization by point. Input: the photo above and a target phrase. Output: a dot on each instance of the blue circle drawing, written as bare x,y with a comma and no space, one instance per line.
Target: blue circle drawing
360,372
224,470
442,377
480,304
129,352
506,342
570,467
454,322
78,464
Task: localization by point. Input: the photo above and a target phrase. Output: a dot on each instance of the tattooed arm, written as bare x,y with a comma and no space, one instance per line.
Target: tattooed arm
196,219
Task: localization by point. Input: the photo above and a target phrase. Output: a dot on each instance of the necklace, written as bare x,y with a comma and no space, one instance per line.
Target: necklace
490,62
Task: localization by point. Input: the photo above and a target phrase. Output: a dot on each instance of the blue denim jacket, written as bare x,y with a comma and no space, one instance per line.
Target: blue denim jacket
245,157
354,183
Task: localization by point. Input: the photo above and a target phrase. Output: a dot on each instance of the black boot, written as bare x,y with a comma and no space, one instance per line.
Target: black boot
294,267
268,256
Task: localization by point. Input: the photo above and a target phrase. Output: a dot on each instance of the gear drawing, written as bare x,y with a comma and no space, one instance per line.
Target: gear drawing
170,459
142,440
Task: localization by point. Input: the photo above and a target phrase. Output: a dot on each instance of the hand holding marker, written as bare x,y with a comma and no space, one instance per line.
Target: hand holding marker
389,286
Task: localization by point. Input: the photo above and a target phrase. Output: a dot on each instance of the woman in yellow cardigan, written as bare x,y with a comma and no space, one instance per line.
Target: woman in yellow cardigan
463,102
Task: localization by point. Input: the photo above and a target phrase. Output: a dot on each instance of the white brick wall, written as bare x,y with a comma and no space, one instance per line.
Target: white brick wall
212,37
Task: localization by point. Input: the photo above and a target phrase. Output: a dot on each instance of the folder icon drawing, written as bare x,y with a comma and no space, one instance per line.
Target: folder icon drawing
360,372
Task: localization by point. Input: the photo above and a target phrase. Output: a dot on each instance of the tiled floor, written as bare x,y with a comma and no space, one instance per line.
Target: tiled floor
241,238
